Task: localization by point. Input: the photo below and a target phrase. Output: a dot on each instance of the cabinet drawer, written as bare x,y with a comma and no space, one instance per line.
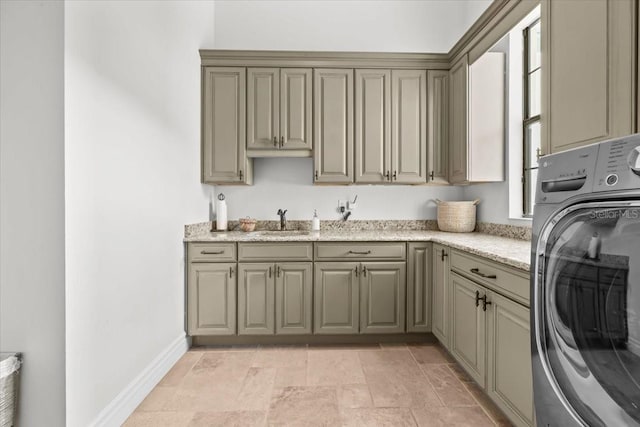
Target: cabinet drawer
510,282
212,252
290,251
361,250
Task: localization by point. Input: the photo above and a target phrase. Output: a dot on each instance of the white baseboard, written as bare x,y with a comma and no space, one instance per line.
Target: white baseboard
116,412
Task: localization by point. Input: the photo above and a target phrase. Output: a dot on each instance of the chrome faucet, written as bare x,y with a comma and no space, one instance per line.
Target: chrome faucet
283,220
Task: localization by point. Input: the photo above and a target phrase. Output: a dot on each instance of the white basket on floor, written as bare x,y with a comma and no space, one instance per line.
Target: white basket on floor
457,217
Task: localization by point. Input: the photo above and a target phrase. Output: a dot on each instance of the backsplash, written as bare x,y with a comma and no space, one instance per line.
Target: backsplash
503,230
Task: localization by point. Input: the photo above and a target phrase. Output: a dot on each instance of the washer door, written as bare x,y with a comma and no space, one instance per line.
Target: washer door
587,309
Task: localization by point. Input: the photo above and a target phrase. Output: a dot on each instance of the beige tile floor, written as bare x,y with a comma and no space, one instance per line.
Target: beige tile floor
362,385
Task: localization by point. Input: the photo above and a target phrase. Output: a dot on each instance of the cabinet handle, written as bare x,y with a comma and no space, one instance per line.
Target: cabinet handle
281,141
240,173
539,153
444,254
485,303
230,271
356,271
386,176
275,141
395,175
269,271
479,273
316,175
478,298
364,271
278,270
431,175
360,253
206,252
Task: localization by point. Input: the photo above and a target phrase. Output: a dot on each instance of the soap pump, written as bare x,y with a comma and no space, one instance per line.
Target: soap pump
315,221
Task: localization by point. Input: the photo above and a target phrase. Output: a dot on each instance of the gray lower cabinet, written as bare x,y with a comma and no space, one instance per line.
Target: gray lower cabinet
274,298
468,326
294,287
509,378
256,294
419,281
440,295
211,299
336,298
382,297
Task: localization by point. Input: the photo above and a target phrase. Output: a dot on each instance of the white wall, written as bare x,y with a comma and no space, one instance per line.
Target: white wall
132,154
346,25
396,26
287,184
32,203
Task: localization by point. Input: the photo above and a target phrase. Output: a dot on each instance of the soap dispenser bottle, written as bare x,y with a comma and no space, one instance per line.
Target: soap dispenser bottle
315,221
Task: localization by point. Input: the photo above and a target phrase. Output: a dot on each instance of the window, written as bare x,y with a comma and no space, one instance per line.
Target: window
531,115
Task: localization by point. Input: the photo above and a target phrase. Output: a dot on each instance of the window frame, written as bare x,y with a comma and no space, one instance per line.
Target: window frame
527,121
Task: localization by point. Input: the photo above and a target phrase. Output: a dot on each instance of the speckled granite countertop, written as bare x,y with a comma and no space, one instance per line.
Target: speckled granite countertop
512,252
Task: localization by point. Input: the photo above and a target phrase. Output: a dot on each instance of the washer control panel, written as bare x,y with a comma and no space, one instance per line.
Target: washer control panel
618,165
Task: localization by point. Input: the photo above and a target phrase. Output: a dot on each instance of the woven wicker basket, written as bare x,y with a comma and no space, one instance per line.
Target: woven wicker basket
457,217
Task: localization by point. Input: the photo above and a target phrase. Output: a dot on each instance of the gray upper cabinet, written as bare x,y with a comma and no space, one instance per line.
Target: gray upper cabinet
333,125
263,108
390,111
373,126
438,126
382,297
294,286
419,279
336,298
409,127
441,295
279,112
211,299
476,119
224,159
588,71
256,295
458,102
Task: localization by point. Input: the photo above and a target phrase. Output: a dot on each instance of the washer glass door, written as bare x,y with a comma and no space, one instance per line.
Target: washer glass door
587,306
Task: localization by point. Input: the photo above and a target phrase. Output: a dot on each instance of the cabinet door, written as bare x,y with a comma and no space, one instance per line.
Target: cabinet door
409,127
263,108
295,109
419,287
588,71
373,126
336,298
441,295
509,380
224,159
256,295
293,297
468,327
458,109
212,299
333,125
438,126
382,297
